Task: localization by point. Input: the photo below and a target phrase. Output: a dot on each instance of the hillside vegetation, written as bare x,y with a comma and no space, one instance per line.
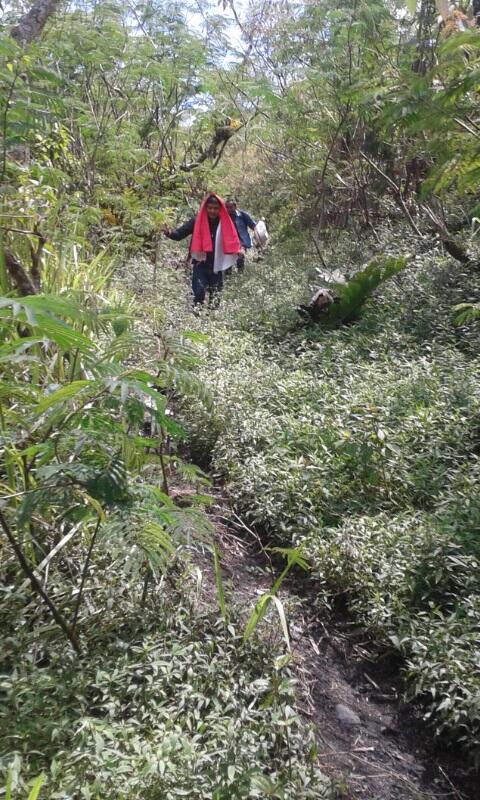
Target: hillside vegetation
360,445
129,667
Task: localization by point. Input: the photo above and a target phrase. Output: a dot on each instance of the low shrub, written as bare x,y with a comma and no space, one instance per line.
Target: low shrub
173,705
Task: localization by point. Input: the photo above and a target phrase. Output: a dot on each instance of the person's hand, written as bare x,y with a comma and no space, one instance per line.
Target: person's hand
165,229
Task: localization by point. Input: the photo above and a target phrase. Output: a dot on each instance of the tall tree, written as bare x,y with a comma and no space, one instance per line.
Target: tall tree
31,25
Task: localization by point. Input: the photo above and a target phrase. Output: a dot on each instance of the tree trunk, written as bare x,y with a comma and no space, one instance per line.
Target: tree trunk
37,586
476,12
20,277
33,22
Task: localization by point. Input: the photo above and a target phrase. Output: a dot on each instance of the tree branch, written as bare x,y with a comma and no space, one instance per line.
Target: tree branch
84,575
37,587
21,279
397,194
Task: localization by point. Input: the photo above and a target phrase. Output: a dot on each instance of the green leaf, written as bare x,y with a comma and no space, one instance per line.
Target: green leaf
18,347
64,393
36,786
8,787
258,612
283,620
96,506
261,785
219,582
48,75
62,334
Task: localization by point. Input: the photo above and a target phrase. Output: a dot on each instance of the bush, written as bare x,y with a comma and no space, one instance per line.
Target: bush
177,706
414,581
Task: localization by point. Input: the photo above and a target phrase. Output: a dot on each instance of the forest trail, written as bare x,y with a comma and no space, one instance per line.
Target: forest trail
351,440
367,739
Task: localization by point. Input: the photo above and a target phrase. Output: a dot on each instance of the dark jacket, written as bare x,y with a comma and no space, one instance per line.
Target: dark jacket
183,230
243,222
187,229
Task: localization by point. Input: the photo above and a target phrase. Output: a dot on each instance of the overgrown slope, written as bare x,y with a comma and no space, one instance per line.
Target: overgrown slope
361,444
118,679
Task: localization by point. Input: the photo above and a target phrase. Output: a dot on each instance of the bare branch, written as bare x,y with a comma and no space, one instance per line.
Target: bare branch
396,192
36,585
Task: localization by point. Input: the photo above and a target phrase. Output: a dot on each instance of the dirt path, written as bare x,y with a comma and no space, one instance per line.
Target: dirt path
366,738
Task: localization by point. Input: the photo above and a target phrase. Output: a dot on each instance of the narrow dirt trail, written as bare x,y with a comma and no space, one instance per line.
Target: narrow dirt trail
367,739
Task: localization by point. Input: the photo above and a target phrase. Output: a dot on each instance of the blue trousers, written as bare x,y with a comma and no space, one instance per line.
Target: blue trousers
205,279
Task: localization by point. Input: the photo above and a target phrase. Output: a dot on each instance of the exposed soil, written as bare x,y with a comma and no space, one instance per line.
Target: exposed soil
381,751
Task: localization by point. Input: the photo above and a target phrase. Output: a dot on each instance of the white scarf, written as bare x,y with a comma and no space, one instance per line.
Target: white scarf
221,260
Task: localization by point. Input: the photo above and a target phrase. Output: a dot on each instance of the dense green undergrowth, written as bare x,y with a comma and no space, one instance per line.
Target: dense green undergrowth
117,678
168,703
362,444
359,443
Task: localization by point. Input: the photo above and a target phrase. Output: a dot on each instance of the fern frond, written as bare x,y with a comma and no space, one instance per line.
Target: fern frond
352,295
185,383
464,313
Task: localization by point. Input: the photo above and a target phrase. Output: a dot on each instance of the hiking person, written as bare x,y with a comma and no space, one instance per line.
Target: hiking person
214,246
242,222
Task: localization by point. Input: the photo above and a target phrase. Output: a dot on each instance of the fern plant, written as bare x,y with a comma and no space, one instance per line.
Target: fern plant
464,313
352,295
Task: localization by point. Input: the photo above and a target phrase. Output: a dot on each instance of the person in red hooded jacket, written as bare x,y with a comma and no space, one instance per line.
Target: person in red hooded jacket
214,247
